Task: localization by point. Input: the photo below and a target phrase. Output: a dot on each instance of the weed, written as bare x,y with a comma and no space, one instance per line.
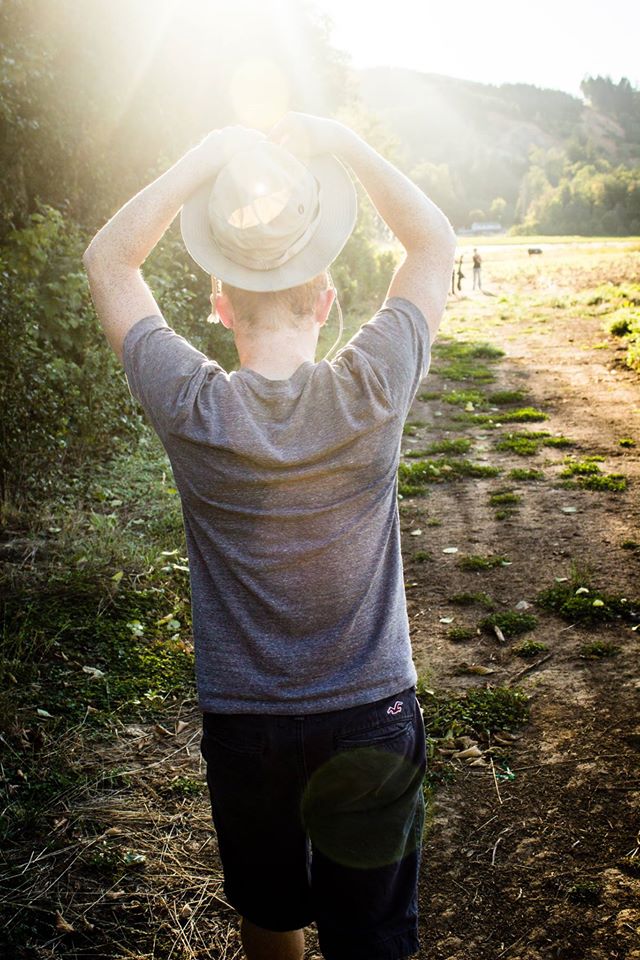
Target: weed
500,397
457,446
460,634
527,442
186,787
479,562
521,473
510,622
427,395
504,498
422,556
630,545
626,442
529,648
461,398
588,475
577,601
620,327
462,360
523,415
599,650
414,477
469,599
479,709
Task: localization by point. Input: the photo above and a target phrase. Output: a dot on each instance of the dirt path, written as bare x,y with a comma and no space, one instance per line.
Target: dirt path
534,867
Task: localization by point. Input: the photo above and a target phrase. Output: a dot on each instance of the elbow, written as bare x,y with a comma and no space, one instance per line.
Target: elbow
89,256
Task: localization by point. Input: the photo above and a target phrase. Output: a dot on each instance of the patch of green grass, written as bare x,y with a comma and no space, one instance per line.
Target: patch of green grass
485,709
411,427
511,622
630,545
626,442
463,361
523,415
487,419
476,561
427,395
521,473
577,601
599,650
504,498
529,648
186,787
460,398
526,443
470,599
457,446
413,478
460,634
587,474
422,556
505,397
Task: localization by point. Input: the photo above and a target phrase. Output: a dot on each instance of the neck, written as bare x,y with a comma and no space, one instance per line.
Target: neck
276,354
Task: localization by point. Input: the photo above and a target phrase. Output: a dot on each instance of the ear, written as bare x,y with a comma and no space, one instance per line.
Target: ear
224,310
324,302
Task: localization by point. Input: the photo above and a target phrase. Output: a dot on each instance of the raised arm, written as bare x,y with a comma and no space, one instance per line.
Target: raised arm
428,239
116,253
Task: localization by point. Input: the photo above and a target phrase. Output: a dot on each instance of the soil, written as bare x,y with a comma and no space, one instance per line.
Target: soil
536,863
504,864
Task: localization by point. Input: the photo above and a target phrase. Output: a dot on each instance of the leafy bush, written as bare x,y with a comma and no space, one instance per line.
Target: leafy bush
63,395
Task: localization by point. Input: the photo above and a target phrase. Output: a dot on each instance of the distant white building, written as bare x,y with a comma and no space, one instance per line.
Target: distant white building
484,228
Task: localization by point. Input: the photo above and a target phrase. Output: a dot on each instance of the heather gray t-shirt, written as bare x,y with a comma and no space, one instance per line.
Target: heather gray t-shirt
289,497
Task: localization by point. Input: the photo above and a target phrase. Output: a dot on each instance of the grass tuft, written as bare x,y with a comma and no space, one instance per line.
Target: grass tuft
526,443
511,622
476,561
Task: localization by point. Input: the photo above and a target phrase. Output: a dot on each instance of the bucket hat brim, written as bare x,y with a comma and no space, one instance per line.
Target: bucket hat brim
338,209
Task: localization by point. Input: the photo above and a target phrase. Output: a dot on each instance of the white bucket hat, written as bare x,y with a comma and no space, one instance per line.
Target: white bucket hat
268,221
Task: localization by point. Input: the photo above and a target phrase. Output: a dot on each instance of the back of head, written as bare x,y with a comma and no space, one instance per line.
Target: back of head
276,309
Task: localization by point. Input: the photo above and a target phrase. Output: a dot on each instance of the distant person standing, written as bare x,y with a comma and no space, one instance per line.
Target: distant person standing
460,274
477,269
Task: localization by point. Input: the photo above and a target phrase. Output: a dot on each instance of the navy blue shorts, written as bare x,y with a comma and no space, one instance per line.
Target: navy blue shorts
319,818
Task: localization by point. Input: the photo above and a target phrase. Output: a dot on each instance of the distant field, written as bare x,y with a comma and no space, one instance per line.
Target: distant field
516,240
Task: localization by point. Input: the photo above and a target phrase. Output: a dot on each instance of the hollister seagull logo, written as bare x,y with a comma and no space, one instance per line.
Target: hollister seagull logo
395,709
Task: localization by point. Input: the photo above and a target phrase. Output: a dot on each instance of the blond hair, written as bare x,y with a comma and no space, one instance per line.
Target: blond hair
281,308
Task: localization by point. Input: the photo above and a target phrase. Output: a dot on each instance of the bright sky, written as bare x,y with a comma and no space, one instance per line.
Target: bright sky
549,43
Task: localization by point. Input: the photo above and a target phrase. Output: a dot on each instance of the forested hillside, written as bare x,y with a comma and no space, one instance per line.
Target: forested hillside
539,159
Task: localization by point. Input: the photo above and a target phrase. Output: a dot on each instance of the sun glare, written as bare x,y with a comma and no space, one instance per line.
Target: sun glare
259,93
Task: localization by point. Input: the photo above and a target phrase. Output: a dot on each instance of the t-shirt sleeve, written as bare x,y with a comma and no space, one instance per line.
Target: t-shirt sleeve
165,373
394,346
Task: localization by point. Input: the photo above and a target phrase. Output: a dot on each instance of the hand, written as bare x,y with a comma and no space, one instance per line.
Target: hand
219,146
305,135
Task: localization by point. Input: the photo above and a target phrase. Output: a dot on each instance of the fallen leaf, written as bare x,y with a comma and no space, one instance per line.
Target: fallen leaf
117,577
44,713
416,533
181,725
446,619
162,730
449,549
598,603
582,590
569,509
522,605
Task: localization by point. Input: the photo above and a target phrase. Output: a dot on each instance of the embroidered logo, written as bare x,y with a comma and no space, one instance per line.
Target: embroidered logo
395,709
